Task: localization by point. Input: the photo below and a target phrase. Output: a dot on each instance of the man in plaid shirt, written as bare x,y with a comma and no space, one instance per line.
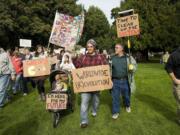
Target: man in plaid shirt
91,58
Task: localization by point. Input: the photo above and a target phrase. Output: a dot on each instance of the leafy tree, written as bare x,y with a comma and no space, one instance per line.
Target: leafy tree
159,23
97,27
31,19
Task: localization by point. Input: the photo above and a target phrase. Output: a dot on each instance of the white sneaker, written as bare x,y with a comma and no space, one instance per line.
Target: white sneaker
128,109
25,94
94,114
115,116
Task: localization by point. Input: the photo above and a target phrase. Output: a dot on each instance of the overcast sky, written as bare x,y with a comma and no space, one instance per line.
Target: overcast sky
104,5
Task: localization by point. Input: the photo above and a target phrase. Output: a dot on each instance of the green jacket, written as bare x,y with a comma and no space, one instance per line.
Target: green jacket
131,80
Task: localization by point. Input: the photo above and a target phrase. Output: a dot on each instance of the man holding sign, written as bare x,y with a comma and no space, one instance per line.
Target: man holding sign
123,68
88,60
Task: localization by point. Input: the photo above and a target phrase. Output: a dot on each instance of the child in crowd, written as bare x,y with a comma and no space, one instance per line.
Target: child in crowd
59,84
66,63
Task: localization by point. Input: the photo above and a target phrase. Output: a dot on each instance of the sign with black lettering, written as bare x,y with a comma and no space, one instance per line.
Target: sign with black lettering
56,101
88,79
128,26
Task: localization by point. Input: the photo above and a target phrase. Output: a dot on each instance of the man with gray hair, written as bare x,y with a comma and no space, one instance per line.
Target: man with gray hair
123,68
6,72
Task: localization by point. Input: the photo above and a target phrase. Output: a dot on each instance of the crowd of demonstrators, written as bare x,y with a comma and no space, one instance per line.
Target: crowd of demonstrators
173,69
11,64
123,67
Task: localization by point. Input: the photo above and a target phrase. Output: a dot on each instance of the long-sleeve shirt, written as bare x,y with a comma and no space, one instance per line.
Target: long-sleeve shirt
17,63
91,60
173,64
6,66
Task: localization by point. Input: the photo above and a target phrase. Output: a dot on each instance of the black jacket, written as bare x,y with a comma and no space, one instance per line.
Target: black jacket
173,64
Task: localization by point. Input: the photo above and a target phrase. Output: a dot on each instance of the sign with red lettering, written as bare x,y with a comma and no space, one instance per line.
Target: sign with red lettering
95,78
128,26
56,101
34,68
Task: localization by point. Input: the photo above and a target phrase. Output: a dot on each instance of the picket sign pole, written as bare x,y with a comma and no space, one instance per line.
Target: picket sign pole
82,15
48,48
50,35
129,48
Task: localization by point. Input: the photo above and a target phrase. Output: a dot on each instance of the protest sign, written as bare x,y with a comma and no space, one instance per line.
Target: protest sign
34,68
25,43
66,30
95,78
56,101
128,26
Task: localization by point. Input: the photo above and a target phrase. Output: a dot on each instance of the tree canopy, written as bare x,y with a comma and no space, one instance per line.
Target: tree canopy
159,23
96,27
31,19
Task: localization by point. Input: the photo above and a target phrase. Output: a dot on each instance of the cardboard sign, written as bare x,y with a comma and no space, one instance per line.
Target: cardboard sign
34,68
25,43
56,101
128,26
53,60
96,78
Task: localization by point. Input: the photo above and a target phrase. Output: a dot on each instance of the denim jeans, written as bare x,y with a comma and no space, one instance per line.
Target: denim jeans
85,99
40,86
18,83
120,87
4,81
176,92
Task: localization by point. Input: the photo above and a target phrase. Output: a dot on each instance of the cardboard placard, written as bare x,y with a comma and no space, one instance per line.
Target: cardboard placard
128,26
56,101
25,43
34,68
88,79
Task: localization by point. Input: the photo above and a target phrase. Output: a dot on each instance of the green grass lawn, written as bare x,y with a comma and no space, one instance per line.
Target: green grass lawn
153,112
